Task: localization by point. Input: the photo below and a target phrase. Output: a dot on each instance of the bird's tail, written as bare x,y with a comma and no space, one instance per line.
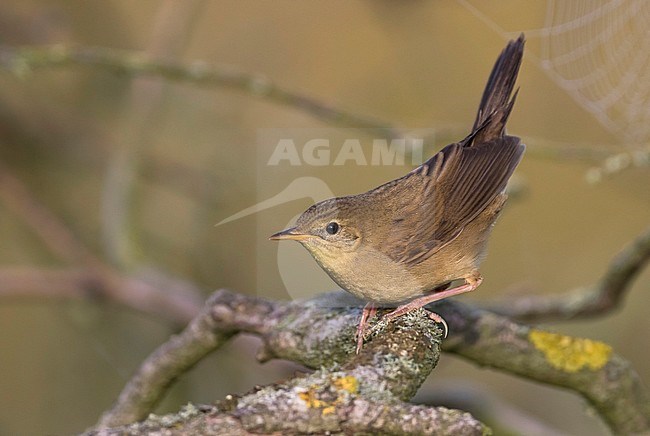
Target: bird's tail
496,103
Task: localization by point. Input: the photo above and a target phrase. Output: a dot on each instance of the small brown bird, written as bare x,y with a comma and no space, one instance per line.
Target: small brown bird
405,242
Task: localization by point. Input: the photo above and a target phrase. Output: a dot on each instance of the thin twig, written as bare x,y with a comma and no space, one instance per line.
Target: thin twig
172,300
37,283
173,24
57,237
176,301
597,299
23,60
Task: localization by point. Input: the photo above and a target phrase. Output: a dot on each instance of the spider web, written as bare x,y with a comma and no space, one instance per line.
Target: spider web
599,52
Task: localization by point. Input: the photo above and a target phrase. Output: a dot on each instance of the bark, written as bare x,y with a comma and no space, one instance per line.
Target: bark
393,364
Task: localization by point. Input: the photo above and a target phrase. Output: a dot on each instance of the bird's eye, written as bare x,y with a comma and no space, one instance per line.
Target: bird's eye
332,228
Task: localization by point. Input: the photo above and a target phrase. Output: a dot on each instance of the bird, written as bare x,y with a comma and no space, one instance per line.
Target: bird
421,238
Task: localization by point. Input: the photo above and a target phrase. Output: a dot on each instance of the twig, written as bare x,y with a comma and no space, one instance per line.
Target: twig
173,23
57,237
172,300
23,60
616,163
597,299
29,282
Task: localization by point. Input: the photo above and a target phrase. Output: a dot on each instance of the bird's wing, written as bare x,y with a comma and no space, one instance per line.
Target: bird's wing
454,186
446,193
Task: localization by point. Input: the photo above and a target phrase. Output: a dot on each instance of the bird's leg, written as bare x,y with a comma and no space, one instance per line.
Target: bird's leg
369,310
471,283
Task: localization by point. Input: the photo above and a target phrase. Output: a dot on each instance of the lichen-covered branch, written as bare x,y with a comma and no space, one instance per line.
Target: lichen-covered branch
597,299
350,393
294,408
161,368
319,333
590,368
394,364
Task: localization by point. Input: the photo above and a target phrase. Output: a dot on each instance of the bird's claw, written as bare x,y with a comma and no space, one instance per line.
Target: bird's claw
440,320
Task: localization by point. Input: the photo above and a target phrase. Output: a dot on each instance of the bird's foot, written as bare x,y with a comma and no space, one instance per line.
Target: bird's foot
432,315
368,312
440,320
471,283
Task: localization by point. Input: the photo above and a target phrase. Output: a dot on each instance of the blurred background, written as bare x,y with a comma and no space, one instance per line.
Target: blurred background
106,170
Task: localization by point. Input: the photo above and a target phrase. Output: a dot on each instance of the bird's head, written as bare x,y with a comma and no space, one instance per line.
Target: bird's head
327,229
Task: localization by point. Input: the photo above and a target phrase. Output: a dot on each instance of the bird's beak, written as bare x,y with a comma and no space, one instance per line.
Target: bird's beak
291,233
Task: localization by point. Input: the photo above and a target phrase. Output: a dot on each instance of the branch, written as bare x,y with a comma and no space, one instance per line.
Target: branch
172,300
320,333
311,333
17,197
295,408
351,394
590,368
616,163
24,60
337,402
598,299
173,24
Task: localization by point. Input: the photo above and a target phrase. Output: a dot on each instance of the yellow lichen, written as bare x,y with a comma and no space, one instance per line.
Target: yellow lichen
570,354
347,383
311,398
